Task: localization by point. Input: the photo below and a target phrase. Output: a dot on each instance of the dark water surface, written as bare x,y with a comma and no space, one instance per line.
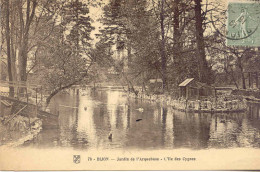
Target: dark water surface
95,114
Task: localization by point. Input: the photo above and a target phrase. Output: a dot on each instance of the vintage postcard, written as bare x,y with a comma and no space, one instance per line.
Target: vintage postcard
130,85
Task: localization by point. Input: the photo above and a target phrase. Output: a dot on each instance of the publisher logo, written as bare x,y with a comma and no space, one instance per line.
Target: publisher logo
76,159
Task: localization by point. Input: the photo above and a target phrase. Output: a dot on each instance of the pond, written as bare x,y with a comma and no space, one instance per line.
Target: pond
86,121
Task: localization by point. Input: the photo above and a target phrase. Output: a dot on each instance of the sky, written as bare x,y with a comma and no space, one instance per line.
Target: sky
96,14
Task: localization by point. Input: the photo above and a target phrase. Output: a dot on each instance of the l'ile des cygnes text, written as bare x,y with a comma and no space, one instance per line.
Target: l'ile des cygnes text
142,159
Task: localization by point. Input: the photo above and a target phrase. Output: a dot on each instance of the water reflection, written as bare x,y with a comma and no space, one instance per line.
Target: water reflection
87,119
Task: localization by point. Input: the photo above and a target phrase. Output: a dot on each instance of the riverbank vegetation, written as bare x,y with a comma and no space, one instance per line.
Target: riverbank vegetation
19,130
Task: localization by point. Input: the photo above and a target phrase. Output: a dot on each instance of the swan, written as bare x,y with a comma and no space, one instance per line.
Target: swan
140,109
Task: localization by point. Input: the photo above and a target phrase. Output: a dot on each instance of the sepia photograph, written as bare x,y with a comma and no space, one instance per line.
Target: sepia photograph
129,85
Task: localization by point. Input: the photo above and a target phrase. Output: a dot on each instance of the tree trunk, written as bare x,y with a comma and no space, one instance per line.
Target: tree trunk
256,80
51,96
239,63
177,47
250,79
23,60
176,26
243,80
56,91
204,71
13,38
53,93
163,56
233,77
129,53
9,59
25,38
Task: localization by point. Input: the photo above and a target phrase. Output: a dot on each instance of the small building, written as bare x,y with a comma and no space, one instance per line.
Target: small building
192,89
252,78
155,85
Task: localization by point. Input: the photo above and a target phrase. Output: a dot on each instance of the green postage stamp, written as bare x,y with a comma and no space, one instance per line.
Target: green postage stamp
243,24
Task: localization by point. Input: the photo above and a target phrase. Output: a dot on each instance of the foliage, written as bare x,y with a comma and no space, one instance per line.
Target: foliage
49,42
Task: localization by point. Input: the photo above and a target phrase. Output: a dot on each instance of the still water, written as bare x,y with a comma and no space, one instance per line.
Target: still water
87,119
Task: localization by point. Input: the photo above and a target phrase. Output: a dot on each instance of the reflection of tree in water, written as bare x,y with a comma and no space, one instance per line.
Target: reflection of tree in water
160,128
254,121
191,130
223,132
164,116
109,115
167,127
253,115
147,133
66,134
128,116
236,130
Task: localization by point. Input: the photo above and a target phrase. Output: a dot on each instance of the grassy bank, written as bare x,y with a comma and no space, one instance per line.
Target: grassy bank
18,130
